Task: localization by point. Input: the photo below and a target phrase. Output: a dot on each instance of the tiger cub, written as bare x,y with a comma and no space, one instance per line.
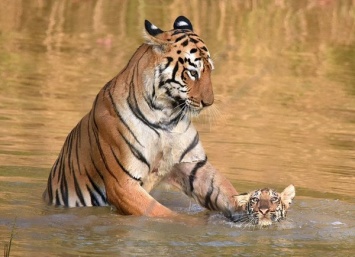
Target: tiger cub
264,206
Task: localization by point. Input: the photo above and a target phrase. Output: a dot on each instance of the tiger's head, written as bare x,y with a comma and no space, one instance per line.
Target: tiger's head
264,206
182,72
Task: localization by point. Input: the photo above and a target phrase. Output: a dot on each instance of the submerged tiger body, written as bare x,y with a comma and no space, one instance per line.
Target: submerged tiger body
264,206
139,132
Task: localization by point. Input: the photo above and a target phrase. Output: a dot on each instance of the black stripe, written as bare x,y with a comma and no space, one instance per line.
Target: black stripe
193,40
138,113
97,139
177,118
192,175
179,38
153,93
191,146
204,48
179,114
122,120
199,39
68,145
136,152
176,99
173,81
185,43
208,202
78,191
102,154
97,190
176,67
149,102
192,34
90,129
96,168
178,31
169,59
61,170
191,63
121,166
54,167
94,200
78,145
49,190
93,113
107,86
64,190
161,83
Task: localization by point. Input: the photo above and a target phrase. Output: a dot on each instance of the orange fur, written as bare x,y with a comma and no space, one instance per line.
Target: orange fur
139,133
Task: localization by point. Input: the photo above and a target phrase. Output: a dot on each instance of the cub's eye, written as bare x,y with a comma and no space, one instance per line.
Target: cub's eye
194,74
274,199
254,200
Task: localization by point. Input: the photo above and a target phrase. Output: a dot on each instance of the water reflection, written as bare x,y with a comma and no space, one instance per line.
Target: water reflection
284,112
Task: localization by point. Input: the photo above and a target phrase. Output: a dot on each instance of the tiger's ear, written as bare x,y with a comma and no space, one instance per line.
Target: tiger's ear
151,28
151,36
182,22
242,199
288,194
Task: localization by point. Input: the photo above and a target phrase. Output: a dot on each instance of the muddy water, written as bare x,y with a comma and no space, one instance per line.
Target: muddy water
284,113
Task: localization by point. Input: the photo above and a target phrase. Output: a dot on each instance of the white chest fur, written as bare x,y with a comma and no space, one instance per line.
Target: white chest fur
173,148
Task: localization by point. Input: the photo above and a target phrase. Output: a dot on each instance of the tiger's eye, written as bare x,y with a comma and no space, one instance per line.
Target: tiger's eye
194,74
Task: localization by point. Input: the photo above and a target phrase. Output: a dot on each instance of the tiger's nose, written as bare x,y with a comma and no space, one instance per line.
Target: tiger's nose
263,211
206,103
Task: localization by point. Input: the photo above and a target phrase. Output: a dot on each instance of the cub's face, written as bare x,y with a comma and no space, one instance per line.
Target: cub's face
183,74
264,206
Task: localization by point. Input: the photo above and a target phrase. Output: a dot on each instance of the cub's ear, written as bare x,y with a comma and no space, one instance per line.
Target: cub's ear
182,22
242,199
288,194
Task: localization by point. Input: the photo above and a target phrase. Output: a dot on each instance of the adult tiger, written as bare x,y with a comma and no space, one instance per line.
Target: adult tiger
139,132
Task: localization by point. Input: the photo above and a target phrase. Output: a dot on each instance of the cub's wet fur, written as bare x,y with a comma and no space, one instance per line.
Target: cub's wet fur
265,206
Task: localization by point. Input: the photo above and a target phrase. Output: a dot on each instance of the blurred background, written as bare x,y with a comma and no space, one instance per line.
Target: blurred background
284,87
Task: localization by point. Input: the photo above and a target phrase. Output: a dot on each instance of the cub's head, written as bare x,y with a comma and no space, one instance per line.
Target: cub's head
182,72
265,206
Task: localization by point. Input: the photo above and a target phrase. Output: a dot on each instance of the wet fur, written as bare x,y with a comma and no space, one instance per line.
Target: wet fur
264,206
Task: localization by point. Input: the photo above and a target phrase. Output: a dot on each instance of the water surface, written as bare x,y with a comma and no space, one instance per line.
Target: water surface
284,113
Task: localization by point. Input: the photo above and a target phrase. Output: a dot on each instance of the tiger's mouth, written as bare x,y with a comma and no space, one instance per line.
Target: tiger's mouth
264,220
188,107
194,106
256,219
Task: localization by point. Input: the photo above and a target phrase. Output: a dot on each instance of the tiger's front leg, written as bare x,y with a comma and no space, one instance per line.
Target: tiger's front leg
130,198
206,185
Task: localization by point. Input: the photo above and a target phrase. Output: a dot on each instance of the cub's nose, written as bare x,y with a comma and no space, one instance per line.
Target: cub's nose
263,211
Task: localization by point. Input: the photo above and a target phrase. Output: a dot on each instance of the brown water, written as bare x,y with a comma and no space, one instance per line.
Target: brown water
284,113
